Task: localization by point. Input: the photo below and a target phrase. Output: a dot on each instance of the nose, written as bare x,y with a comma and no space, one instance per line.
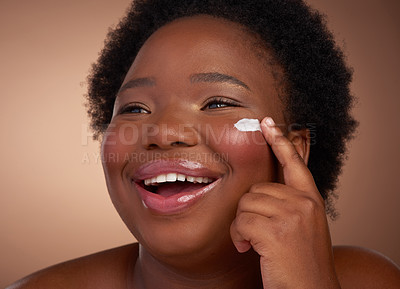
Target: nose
169,132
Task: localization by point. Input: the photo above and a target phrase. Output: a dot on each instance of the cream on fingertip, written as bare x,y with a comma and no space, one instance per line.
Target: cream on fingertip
248,124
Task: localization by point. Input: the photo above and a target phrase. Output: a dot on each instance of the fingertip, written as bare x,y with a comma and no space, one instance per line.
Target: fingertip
268,121
268,128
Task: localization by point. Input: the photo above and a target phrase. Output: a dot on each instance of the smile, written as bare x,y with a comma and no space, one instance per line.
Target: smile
171,187
173,177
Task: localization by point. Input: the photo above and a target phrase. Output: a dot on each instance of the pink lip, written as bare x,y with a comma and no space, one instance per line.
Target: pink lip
174,204
177,203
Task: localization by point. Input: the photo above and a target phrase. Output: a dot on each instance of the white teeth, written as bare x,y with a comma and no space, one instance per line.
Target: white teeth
173,177
161,178
181,177
190,179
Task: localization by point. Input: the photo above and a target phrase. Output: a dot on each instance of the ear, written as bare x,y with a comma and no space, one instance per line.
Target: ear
301,142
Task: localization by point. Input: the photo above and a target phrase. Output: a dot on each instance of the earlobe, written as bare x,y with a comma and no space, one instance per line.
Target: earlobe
301,142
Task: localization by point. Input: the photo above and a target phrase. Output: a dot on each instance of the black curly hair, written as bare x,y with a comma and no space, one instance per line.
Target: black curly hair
317,80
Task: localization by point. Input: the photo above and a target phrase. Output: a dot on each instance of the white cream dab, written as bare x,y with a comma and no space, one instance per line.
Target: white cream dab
247,124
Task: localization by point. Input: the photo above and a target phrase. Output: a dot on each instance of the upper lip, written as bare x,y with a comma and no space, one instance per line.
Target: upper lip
179,166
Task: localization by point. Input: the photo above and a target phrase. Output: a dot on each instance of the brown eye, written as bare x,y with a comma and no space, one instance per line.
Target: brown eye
133,109
220,102
216,105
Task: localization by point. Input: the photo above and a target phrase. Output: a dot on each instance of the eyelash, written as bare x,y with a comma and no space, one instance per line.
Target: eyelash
130,107
220,100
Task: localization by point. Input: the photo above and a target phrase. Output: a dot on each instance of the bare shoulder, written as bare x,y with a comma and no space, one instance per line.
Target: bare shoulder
363,268
106,269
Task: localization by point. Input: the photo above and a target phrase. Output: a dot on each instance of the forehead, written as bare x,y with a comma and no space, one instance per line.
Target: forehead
202,27
204,44
202,40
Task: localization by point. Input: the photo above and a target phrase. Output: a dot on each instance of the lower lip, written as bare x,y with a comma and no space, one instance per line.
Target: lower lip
174,204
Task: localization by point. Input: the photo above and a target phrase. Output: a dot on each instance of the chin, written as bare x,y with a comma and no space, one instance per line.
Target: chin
184,238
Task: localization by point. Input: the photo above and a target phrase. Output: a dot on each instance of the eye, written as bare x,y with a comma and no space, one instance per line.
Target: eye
134,108
220,102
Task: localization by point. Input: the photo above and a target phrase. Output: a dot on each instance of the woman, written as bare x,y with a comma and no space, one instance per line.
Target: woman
211,204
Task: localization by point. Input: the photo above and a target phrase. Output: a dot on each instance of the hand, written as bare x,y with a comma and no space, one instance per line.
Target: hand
286,223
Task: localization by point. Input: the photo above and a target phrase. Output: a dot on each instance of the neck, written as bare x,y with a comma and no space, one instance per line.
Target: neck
233,271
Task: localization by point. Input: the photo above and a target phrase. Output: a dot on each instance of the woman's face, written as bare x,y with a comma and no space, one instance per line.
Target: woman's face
174,117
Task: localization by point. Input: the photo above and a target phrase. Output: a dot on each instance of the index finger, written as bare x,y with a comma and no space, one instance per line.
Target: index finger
295,172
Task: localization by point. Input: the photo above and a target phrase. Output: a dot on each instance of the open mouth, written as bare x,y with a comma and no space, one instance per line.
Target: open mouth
169,187
170,184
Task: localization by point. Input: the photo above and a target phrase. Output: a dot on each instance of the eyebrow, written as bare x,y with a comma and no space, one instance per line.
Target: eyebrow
138,82
217,77
194,78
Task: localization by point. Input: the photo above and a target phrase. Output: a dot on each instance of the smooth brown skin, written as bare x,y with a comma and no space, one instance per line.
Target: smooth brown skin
264,226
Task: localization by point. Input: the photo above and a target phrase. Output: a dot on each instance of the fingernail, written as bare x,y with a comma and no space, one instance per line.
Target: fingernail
269,121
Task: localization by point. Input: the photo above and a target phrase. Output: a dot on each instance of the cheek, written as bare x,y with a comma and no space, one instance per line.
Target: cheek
111,150
246,146
247,150
116,151
116,147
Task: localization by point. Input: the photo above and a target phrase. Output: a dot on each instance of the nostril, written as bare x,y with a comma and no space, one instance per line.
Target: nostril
179,143
152,146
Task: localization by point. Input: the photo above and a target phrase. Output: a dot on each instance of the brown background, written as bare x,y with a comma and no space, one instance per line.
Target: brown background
54,204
